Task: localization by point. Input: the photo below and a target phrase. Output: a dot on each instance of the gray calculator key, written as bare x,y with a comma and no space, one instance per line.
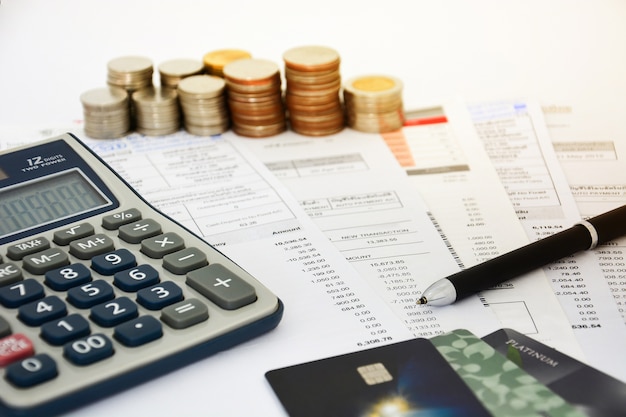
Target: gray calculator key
185,313
91,246
158,246
114,221
137,231
223,287
184,260
9,273
41,262
5,327
65,236
18,250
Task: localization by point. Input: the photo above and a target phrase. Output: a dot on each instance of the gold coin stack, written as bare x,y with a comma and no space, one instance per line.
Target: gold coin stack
215,61
312,90
130,73
156,111
203,103
174,70
106,112
374,103
255,97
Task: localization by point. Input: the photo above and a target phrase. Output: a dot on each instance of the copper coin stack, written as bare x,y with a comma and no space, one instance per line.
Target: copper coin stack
215,61
312,91
106,112
174,70
156,111
203,104
374,103
255,97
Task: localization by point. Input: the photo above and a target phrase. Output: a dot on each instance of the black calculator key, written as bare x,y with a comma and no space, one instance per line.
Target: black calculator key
114,312
158,246
38,312
9,273
110,263
91,294
40,262
91,246
32,371
64,278
21,292
185,313
89,349
138,231
134,279
139,331
113,221
17,251
160,295
61,331
65,236
5,327
221,286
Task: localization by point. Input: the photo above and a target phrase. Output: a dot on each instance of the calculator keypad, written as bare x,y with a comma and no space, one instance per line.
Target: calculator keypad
107,288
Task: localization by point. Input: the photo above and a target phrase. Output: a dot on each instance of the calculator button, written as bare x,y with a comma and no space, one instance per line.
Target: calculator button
5,327
113,221
221,286
138,231
63,279
32,371
41,311
160,295
18,250
134,279
15,347
45,260
21,292
88,350
110,263
139,331
65,236
185,314
91,246
158,246
9,273
114,312
91,294
61,331
184,260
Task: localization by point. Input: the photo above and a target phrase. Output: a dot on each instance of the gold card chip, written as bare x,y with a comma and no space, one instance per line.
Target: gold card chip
375,373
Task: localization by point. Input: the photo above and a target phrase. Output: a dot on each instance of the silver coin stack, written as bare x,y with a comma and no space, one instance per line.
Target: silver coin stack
203,105
156,111
174,70
106,112
130,73
374,103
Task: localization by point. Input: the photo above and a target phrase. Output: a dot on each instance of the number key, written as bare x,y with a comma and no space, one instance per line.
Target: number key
114,312
136,278
20,293
160,295
32,371
61,331
88,350
67,277
90,294
39,312
110,263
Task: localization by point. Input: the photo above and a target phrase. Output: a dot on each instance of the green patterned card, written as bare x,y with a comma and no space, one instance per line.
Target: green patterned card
504,389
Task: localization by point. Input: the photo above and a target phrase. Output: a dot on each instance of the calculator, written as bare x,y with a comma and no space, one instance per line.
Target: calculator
100,291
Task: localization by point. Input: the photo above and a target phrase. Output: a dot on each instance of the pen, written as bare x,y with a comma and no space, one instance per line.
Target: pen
584,235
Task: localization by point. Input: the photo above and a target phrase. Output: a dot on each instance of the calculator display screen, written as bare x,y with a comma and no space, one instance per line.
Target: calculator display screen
48,199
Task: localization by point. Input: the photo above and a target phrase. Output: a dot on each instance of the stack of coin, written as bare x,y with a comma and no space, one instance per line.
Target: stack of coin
156,111
106,111
215,61
203,104
255,97
130,72
374,103
312,91
174,70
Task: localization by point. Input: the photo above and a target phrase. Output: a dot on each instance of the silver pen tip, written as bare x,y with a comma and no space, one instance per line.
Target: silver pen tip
422,300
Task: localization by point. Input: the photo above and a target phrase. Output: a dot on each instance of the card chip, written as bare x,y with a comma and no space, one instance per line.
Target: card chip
375,373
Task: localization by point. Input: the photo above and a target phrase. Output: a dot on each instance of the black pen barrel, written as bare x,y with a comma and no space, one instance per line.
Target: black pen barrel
521,261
